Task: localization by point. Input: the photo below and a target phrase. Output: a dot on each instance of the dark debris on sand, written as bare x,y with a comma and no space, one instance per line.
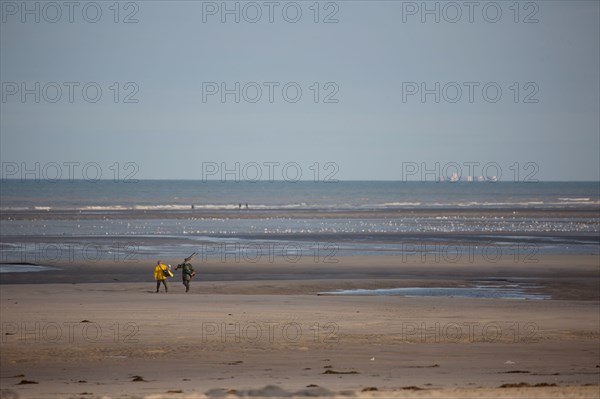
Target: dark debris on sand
526,385
412,388
270,391
25,382
340,372
515,372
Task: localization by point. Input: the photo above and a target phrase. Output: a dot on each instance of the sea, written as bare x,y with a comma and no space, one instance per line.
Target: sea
49,222
82,195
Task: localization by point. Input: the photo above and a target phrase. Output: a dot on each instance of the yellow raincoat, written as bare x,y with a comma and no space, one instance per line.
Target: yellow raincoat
158,272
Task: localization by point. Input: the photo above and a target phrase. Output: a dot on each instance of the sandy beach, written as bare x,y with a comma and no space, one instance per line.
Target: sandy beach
373,199
263,330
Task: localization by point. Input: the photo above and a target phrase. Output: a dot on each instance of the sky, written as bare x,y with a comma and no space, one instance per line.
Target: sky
363,90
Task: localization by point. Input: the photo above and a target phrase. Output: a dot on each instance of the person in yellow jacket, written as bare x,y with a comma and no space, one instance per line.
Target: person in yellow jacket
161,273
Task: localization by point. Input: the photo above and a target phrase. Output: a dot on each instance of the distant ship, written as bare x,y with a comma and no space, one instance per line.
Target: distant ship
456,178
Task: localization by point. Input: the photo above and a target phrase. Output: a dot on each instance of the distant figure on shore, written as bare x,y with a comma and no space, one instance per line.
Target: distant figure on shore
246,205
161,273
240,205
192,206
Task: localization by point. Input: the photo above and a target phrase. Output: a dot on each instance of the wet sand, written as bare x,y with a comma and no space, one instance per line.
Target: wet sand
243,327
561,276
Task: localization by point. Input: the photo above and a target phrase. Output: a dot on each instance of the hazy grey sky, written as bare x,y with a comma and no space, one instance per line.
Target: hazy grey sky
370,68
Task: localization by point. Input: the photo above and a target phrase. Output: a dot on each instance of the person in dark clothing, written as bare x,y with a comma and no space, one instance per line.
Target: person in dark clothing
187,273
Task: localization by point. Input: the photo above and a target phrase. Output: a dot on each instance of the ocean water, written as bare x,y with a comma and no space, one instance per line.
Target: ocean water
23,268
475,292
351,195
49,222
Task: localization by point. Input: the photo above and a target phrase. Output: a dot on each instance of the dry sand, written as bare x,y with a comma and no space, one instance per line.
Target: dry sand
94,338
